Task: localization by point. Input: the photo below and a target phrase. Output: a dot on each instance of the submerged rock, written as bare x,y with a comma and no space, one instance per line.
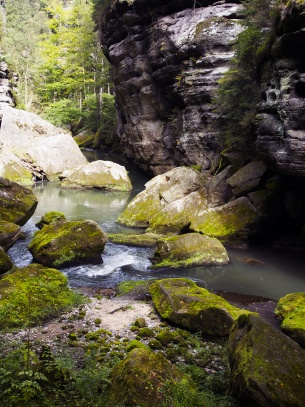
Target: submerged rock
97,174
9,234
50,217
267,367
63,244
145,378
189,250
291,310
182,302
17,203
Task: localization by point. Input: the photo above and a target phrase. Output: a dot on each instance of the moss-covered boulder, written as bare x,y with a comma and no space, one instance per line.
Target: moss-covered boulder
62,244
12,168
5,262
182,302
145,378
97,174
32,294
167,201
189,250
50,217
85,139
17,203
137,240
267,367
291,311
9,234
231,222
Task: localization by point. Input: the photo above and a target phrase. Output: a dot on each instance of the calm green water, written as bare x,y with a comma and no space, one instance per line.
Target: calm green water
281,272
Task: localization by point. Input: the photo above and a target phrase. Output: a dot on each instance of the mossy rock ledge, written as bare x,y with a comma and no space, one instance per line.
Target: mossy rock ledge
189,250
5,262
267,367
145,378
291,310
50,217
62,244
9,234
17,203
182,302
137,240
97,174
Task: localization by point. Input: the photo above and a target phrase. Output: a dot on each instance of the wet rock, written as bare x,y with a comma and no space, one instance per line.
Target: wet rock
145,378
9,234
5,262
182,302
140,240
17,203
97,174
291,310
62,244
189,250
50,217
267,367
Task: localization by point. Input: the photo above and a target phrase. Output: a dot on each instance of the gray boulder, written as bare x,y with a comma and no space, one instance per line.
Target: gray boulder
267,367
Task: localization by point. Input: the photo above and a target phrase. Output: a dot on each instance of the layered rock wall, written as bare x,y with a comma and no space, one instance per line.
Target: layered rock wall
167,58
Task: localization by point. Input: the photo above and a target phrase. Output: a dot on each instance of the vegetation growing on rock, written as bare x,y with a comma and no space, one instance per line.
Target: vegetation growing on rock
62,244
189,250
50,217
140,240
182,302
5,262
9,234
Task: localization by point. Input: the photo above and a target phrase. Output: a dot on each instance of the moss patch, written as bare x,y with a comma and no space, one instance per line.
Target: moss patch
139,240
32,294
50,217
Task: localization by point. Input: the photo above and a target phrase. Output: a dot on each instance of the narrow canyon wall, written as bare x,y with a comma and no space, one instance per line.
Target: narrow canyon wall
167,58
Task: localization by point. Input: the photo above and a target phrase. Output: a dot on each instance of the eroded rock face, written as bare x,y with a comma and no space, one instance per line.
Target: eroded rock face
281,112
167,59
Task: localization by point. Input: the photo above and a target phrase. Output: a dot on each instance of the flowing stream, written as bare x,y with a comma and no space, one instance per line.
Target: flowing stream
280,272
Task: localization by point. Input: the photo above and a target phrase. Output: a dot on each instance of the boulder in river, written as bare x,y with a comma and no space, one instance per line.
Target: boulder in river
167,201
189,250
50,217
267,367
291,310
182,302
145,378
17,203
9,234
97,174
62,244
137,240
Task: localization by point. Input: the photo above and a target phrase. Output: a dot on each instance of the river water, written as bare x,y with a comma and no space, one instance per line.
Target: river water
280,272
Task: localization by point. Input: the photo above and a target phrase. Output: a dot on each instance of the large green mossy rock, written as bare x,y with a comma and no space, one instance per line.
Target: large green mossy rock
9,234
146,379
5,262
33,293
189,250
85,139
182,302
50,217
267,367
291,310
17,203
97,174
167,201
230,222
62,244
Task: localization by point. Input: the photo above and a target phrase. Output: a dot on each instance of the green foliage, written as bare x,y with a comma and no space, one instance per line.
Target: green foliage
239,88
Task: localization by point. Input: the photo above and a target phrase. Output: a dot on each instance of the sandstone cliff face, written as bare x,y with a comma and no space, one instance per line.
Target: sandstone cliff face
167,59
281,112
